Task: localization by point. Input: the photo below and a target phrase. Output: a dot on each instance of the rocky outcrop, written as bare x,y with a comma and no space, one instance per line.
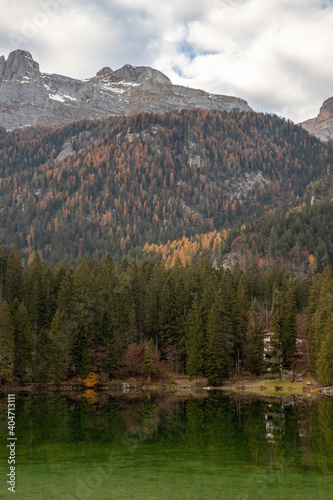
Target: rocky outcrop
322,125
29,97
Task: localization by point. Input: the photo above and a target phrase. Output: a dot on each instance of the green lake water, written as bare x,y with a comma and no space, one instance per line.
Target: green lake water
152,447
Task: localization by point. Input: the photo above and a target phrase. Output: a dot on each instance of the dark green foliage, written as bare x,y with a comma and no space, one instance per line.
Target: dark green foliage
319,329
23,343
195,341
255,341
7,342
107,340
219,336
283,321
79,354
288,323
110,318
42,357
14,275
148,363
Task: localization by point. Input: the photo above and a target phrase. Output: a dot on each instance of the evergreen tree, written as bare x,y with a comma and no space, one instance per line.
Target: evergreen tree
79,351
14,275
318,313
60,347
3,272
35,295
42,357
288,323
325,356
7,344
255,341
195,341
240,319
23,344
107,340
148,364
219,339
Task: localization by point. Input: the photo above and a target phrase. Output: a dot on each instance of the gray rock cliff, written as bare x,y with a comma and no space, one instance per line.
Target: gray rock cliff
29,97
322,125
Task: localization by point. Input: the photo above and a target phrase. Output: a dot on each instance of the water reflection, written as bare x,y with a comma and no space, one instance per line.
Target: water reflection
150,446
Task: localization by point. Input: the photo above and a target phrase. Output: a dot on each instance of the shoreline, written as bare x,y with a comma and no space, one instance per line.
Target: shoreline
181,385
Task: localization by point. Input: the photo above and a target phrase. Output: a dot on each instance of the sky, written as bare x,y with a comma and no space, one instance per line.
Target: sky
275,54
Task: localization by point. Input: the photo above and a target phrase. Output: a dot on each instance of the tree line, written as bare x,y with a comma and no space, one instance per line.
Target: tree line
127,319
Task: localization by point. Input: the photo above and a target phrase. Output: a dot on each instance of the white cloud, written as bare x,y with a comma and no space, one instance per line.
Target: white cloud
274,54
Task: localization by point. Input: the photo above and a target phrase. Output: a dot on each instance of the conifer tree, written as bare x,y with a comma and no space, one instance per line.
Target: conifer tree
3,272
240,319
107,341
195,341
275,324
42,357
23,344
255,341
35,294
60,347
325,356
318,313
7,344
288,323
148,363
79,353
14,275
219,337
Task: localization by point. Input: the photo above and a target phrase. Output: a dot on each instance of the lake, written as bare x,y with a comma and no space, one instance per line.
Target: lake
149,446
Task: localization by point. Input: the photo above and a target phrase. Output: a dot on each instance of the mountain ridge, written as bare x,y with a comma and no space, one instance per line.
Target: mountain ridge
322,125
30,97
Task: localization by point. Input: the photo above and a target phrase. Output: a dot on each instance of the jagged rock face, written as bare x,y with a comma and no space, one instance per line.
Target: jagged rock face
322,125
29,97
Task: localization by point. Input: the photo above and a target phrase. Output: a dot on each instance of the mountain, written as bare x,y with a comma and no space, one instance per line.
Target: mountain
29,97
118,184
322,125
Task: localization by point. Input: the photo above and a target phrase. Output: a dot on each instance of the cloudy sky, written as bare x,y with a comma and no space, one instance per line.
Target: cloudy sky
276,54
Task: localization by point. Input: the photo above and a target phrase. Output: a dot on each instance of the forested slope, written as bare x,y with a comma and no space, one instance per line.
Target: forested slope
119,184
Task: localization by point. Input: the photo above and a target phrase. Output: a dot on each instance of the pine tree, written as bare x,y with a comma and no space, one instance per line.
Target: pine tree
148,364
275,325
3,272
23,344
107,340
325,356
35,294
318,313
7,343
240,319
195,341
255,341
14,276
79,353
219,337
60,347
288,323
42,357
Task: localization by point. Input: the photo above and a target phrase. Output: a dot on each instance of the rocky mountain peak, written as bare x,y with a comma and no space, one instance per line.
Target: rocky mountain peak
19,64
141,74
326,111
104,72
322,125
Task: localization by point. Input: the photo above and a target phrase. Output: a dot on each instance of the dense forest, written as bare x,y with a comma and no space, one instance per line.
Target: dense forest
220,229
127,319
300,239
117,185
